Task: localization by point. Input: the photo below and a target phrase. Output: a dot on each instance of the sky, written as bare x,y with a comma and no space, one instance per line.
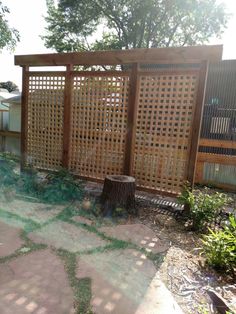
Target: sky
27,17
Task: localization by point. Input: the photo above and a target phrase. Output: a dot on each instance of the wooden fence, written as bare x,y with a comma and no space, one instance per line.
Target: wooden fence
217,148
142,121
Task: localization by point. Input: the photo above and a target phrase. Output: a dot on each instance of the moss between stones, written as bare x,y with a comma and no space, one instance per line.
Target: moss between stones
81,287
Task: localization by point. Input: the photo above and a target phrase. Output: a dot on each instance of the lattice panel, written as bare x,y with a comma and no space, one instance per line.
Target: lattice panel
45,120
165,113
99,121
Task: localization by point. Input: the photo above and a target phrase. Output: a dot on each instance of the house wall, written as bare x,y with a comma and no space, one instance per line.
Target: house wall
11,121
15,118
4,120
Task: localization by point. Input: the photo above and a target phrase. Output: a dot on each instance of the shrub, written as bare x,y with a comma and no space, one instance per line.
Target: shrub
57,187
61,187
219,246
8,176
203,207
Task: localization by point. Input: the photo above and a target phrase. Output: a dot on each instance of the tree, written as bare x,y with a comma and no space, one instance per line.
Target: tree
8,36
74,25
10,86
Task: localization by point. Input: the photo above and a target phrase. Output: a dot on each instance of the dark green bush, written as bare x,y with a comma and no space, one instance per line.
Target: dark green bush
57,187
219,247
60,187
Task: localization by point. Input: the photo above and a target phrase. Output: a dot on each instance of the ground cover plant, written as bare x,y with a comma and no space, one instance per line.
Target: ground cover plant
56,187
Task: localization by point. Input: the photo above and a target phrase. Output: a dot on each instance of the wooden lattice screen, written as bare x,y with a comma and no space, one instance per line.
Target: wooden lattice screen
142,121
45,120
98,120
166,105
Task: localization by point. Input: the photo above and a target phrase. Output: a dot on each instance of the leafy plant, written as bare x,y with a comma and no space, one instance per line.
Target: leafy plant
57,187
74,25
61,187
203,207
8,175
8,36
219,246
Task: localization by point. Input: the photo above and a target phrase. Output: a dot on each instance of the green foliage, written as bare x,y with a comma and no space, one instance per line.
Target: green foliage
61,187
10,86
8,36
219,246
58,187
81,287
204,208
73,25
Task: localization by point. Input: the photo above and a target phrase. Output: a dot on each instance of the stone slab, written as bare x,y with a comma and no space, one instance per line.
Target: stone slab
37,283
125,282
138,234
39,212
9,239
67,236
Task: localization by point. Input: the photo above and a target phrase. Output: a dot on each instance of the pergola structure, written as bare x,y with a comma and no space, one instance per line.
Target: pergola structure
141,120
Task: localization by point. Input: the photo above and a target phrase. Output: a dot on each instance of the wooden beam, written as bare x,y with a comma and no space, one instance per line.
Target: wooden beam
154,55
197,118
24,115
67,116
217,159
10,134
132,120
217,143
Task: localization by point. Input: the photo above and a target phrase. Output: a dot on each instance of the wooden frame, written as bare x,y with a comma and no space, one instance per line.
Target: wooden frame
197,118
24,115
153,55
135,58
67,116
14,134
132,117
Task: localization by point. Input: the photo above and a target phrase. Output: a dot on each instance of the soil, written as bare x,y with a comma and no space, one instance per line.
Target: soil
183,270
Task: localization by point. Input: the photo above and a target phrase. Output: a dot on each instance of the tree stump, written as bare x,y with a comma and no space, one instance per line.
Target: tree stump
118,192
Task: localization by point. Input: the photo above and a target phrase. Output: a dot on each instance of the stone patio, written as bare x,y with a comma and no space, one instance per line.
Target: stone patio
39,212
36,283
9,239
63,235
138,234
123,281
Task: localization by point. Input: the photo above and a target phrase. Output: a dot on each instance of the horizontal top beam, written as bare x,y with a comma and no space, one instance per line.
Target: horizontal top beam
153,55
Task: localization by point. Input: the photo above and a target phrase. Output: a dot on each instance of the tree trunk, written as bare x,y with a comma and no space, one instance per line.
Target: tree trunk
118,193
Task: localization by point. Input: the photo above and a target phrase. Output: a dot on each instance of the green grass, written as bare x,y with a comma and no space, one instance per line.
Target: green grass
80,287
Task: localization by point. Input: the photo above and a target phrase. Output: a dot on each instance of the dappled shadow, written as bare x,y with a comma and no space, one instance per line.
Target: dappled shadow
36,284
122,282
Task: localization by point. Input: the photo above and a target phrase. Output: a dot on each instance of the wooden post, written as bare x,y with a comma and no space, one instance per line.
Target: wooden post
132,120
24,115
197,119
199,172
67,116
